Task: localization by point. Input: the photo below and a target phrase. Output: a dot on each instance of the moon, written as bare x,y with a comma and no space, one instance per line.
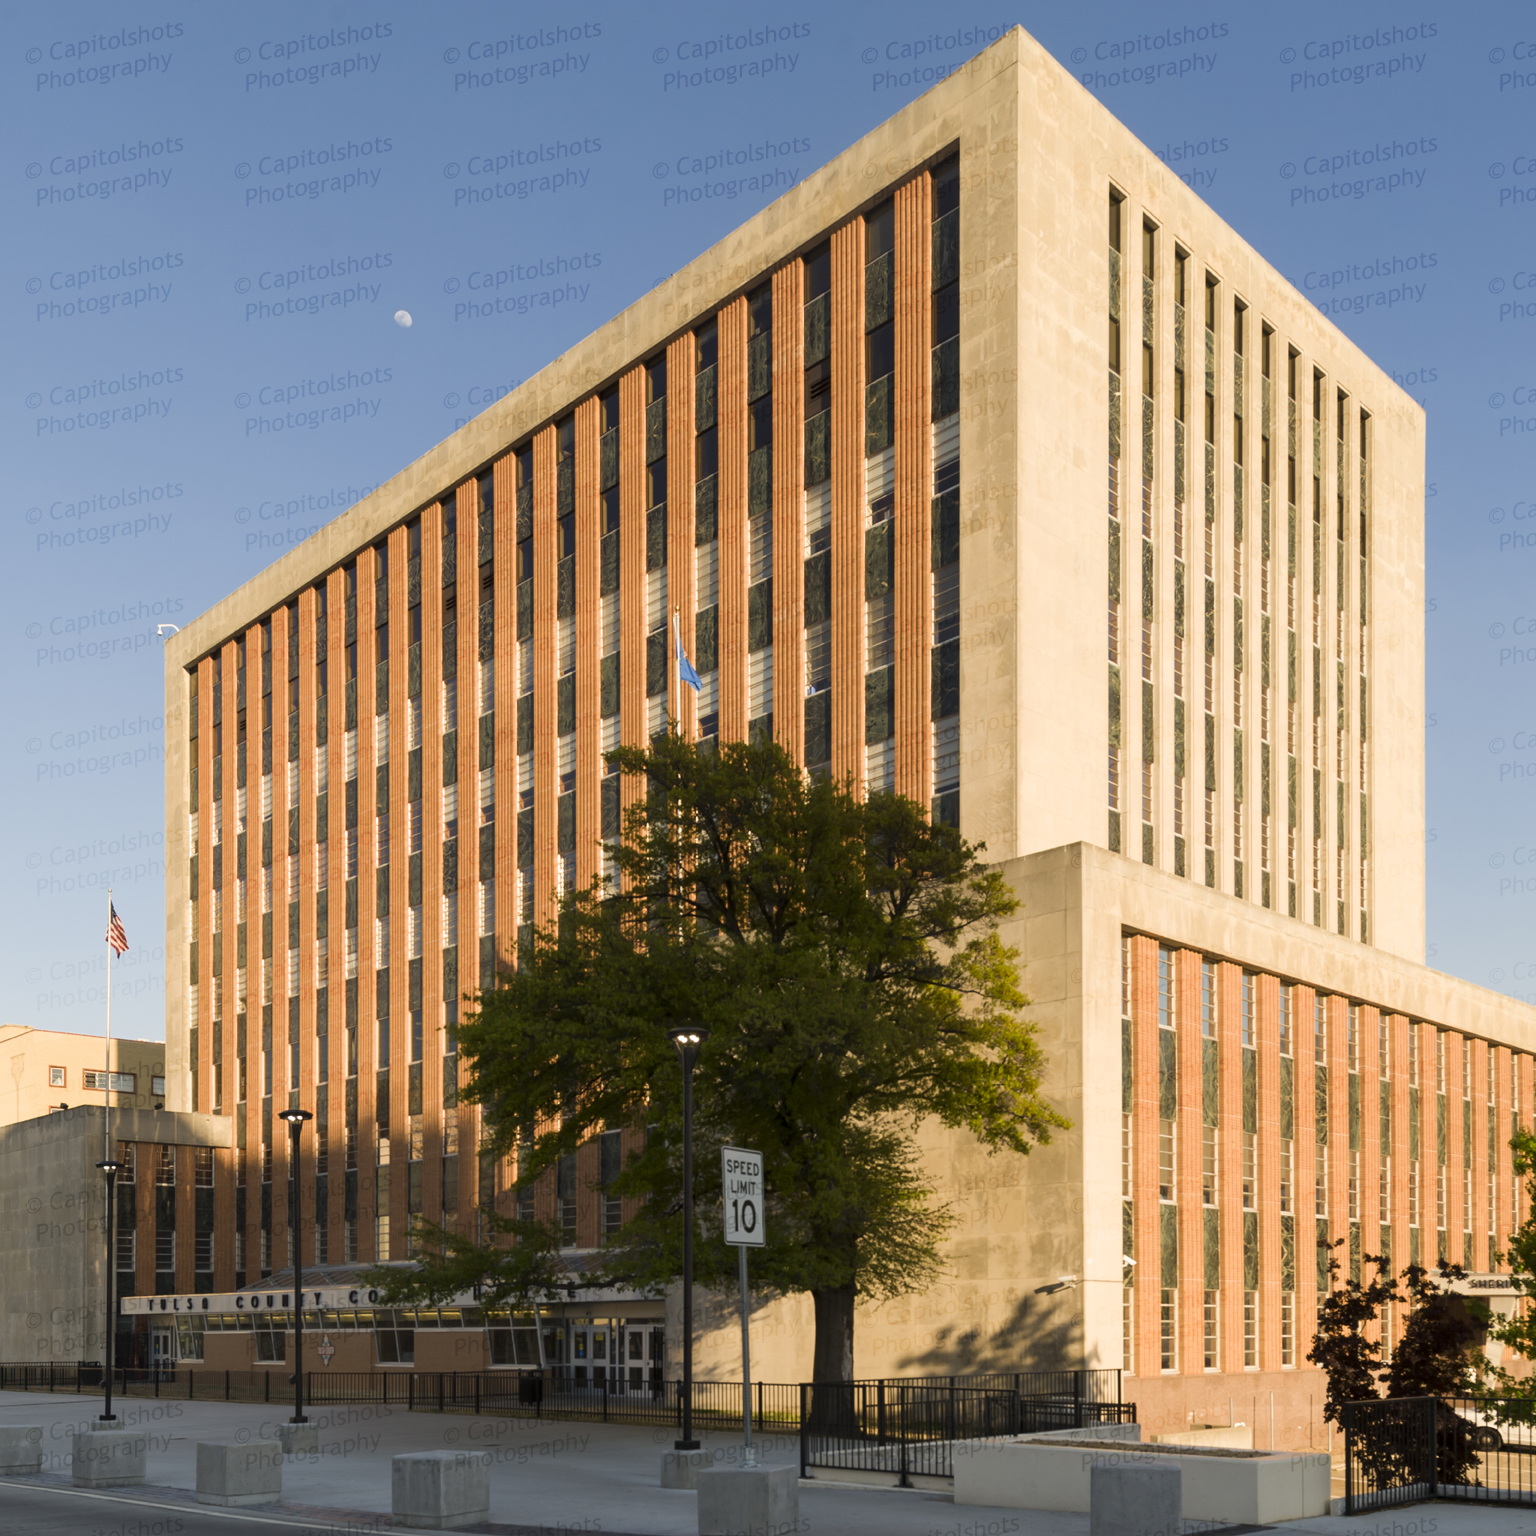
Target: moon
403,318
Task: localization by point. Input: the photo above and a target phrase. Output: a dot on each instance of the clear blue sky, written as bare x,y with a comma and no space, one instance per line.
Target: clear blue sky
216,211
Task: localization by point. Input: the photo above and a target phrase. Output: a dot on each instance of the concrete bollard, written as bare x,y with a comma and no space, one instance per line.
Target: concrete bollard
299,1439
109,1458
749,1501
440,1490
239,1474
21,1450
1137,1494
680,1469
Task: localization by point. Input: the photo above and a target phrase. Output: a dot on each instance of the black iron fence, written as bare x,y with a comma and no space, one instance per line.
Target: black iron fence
909,1428
901,1425
1467,1449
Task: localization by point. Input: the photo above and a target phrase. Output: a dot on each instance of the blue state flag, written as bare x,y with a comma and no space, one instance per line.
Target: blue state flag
685,669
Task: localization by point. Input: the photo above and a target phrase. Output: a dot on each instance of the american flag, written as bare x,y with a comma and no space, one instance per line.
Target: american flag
115,935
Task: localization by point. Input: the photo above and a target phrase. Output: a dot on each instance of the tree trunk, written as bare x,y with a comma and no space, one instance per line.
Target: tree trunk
833,1358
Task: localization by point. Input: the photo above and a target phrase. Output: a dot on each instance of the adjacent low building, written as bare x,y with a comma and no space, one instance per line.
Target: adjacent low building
987,465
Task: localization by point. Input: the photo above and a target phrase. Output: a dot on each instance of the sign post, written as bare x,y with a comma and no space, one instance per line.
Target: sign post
745,1227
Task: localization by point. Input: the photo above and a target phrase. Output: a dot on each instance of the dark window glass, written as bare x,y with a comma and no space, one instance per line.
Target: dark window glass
487,491
656,483
760,311
416,625
611,510
946,188
760,424
567,529
524,467
818,272
565,439
656,380
706,455
946,315
349,576
413,540
879,231
880,352
818,388
450,511
380,561
525,560
381,641
706,343
610,407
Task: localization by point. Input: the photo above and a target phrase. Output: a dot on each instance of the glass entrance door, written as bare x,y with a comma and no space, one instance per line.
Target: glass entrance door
161,1355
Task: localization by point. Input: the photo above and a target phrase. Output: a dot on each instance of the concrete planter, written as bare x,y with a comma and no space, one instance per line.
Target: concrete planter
239,1474
749,1501
109,1458
21,1450
1225,1486
441,1490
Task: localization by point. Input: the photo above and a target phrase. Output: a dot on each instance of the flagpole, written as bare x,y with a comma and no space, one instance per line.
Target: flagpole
674,687
107,1080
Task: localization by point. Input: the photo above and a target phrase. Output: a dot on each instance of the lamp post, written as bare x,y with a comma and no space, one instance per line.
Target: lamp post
296,1119
687,1040
110,1166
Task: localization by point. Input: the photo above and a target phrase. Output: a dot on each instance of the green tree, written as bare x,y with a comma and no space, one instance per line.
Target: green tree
845,959
1518,1332
1350,1362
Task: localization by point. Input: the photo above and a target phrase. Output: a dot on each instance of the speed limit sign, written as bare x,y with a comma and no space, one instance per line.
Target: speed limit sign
742,1180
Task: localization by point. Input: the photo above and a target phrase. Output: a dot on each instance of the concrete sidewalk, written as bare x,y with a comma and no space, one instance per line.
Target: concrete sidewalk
550,1477
558,1479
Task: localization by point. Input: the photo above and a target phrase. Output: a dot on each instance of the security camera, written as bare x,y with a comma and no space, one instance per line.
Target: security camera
160,629
1060,1283
1127,1259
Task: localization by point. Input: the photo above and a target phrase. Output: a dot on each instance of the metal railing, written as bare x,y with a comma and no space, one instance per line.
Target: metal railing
901,1425
1462,1448
909,1428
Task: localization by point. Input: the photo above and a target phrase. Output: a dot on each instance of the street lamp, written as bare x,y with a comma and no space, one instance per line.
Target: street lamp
110,1167
296,1119
687,1040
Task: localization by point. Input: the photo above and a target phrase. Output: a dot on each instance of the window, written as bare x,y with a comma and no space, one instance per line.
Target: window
56,1077
165,1166
1168,1330
1250,1171
1212,1328
1208,1179
1247,995
1126,1163
202,1171
1208,999
1288,1330
1166,1011
450,812
1285,1019
1320,1030
121,1082
1353,1038
165,1251
1250,1330
1167,1144
1383,1048
1354,1184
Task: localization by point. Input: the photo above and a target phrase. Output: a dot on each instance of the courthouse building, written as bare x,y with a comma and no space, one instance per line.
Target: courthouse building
987,465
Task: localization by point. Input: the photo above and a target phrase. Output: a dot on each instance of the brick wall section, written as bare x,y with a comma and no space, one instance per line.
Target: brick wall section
1266,1023
1305,1166
1478,1159
914,485
680,527
731,429
1370,1142
1146,1212
589,767
1455,1153
632,498
846,339
788,512
1398,1086
1229,1162
1338,1130
1188,1166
